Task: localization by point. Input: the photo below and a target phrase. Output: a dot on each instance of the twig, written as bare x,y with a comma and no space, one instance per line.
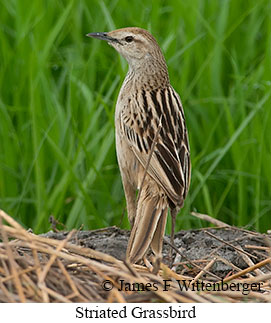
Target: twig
70,281
229,244
190,261
257,247
225,261
130,268
247,270
208,218
209,265
250,263
13,264
260,278
53,257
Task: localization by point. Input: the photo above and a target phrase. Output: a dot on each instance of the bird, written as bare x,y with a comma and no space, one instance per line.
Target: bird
152,142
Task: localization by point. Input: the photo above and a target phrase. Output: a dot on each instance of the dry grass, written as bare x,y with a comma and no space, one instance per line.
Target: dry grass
38,269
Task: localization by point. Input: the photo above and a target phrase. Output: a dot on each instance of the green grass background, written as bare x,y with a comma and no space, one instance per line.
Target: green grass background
58,90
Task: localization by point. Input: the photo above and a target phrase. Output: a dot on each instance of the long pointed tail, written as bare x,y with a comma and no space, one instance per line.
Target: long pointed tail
149,226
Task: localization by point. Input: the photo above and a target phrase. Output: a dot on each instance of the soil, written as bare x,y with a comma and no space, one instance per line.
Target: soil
36,269
231,248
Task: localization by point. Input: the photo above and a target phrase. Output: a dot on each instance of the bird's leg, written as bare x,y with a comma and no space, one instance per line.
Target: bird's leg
173,221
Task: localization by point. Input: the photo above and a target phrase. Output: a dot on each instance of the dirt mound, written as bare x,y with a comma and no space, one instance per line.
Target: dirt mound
210,265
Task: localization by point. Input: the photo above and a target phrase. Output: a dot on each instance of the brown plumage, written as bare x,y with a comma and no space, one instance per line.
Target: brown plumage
151,140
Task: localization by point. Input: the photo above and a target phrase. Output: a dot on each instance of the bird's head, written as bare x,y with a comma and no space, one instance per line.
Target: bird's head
136,45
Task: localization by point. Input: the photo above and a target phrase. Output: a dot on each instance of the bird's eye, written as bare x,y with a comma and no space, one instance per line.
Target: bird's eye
129,39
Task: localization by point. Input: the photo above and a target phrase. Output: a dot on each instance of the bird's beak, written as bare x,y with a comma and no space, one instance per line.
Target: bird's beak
103,36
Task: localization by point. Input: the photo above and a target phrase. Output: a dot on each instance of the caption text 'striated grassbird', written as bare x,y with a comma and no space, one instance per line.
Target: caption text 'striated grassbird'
151,140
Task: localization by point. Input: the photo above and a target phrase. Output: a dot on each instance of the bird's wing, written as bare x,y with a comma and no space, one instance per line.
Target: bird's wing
169,165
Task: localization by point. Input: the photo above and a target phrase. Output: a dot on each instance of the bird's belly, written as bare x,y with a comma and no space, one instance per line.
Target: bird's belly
128,163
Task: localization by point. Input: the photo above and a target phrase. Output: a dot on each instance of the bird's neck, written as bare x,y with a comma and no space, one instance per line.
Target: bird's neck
151,75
